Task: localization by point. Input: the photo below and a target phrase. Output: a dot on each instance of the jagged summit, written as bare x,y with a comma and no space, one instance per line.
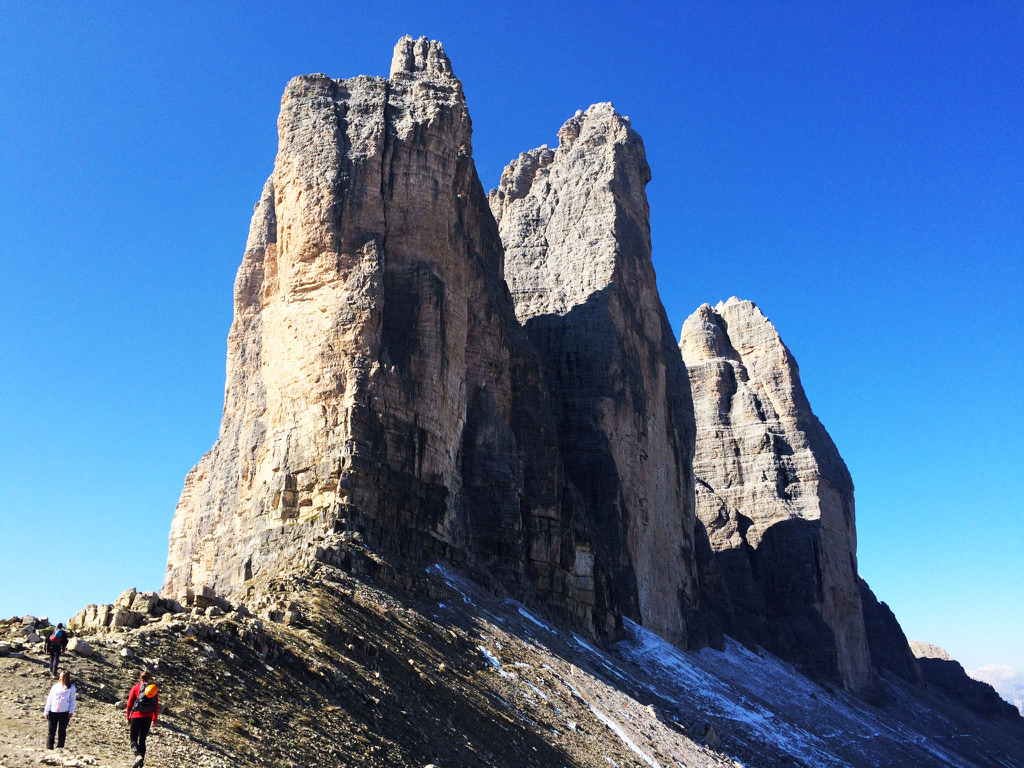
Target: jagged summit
420,56
571,255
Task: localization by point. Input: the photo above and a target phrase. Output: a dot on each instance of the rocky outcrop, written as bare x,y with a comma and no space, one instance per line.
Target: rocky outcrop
775,497
378,382
131,609
574,223
945,674
887,644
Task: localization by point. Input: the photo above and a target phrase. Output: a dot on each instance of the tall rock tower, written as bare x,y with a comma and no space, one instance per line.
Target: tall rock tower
775,496
575,225
377,377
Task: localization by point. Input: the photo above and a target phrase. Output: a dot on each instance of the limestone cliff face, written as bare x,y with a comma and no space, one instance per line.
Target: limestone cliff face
377,378
775,496
575,225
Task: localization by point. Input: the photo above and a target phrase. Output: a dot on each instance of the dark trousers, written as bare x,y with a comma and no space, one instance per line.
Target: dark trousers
54,661
58,727
138,731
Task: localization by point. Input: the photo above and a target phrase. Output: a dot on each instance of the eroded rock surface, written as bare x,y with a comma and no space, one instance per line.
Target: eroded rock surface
575,225
774,495
378,382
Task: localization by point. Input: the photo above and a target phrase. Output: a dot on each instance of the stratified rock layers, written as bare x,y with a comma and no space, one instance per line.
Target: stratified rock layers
774,495
377,378
575,225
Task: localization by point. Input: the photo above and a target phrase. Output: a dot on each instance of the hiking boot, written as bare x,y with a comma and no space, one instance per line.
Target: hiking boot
138,762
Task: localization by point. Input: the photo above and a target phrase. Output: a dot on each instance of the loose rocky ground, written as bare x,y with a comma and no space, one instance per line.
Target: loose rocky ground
452,675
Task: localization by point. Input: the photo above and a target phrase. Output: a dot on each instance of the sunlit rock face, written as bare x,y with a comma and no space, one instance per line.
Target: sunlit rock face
378,381
575,225
774,495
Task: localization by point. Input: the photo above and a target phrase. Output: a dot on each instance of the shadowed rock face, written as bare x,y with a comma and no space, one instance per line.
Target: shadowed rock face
377,378
889,648
774,495
575,225
945,674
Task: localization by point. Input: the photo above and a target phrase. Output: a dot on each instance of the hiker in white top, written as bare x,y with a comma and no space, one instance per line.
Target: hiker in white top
60,706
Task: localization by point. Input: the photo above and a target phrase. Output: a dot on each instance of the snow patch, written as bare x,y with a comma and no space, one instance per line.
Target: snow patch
526,615
449,577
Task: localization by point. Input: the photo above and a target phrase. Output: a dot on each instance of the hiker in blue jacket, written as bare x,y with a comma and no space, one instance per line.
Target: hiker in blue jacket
56,643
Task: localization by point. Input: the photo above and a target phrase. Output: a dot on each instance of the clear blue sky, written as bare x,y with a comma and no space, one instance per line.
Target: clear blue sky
857,169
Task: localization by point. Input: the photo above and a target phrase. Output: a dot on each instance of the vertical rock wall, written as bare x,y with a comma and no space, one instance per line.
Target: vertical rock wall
378,380
774,495
575,225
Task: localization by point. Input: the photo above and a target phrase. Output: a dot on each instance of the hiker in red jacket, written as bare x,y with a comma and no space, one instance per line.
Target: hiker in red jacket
143,708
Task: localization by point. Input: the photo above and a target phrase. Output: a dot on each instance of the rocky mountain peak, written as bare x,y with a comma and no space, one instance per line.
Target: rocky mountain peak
705,336
774,495
379,385
438,375
575,225
599,163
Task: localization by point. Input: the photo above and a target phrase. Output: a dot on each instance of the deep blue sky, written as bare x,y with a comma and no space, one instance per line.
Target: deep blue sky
857,169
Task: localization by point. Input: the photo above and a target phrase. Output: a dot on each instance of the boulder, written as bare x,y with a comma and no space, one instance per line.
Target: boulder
123,618
145,603
79,647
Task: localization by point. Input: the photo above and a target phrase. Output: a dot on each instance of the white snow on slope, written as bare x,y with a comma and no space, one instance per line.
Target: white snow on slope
753,690
613,726
529,617
450,578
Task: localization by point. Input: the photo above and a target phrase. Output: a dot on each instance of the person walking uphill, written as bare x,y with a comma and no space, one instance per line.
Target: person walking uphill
60,706
56,643
143,708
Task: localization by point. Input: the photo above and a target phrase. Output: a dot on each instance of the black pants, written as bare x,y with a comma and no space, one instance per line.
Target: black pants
58,726
138,732
54,661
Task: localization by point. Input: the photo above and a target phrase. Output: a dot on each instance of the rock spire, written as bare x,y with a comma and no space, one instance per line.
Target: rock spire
435,373
774,495
378,382
575,225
